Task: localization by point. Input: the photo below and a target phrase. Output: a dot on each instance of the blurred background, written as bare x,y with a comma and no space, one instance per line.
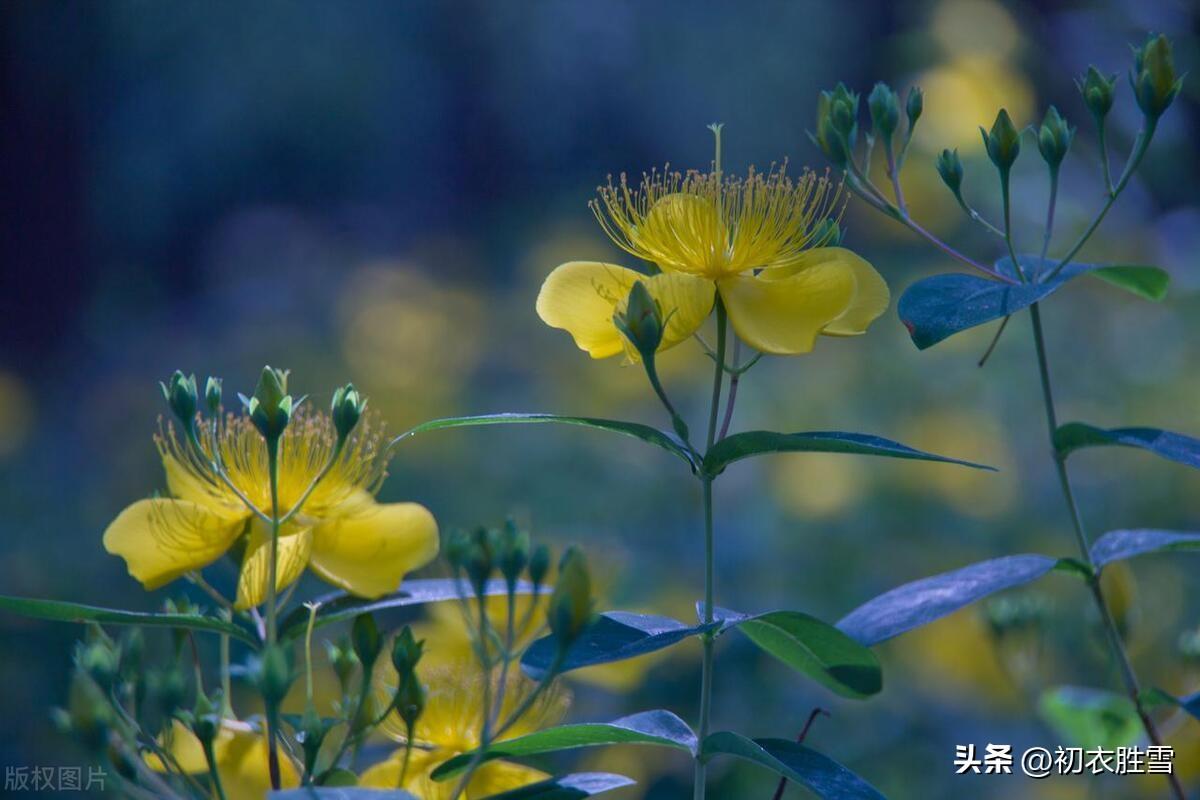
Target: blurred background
373,191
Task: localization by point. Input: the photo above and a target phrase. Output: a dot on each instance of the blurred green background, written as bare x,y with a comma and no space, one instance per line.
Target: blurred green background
373,191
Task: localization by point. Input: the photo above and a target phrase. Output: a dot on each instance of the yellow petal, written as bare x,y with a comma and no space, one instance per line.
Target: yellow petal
368,551
502,776
244,769
295,546
871,297
580,297
161,539
785,316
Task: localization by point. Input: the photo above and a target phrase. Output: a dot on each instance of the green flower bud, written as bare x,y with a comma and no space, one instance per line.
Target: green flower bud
1003,142
570,608
272,675
641,321
843,112
311,731
950,167
1154,81
343,660
914,105
480,560
410,699
180,394
1097,92
270,408
346,410
826,137
1054,138
539,565
884,106
514,553
458,543
205,719
406,651
212,395
367,641
168,688
89,712
100,661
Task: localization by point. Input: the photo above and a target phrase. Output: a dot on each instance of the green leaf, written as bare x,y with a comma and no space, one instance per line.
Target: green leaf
613,636
1119,545
813,648
1090,718
645,433
820,774
339,606
647,728
1165,444
1147,282
339,793
567,787
755,443
61,611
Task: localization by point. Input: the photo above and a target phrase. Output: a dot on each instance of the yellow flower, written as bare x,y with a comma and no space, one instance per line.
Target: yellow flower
240,751
450,726
346,537
755,241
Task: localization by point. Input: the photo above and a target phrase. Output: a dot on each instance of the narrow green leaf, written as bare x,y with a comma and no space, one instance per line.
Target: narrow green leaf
756,443
819,773
636,430
1156,698
814,648
567,787
1166,444
61,611
660,728
1147,282
1090,718
1119,545
339,606
613,636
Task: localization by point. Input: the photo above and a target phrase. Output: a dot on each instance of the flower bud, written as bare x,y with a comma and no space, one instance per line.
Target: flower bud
479,561
311,732
1097,92
367,641
410,699
272,675
180,394
88,711
950,167
884,106
914,105
100,661
641,320
1003,142
514,553
344,662
406,651
539,565
458,543
843,112
212,395
205,720
270,408
826,137
570,609
1054,138
1154,81
168,687
346,410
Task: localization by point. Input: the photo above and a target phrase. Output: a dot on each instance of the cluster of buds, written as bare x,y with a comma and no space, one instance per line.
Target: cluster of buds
838,114
508,550
409,697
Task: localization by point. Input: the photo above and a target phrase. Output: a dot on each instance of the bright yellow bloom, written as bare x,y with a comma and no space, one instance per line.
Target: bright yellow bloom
346,537
755,241
450,726
240,751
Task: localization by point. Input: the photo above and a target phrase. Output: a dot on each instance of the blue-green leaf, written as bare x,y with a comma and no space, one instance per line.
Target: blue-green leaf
755,443
339,793
645,433
1147,282
1090,718
659,727
819,773
936,308
1118,545
567,787
1171,446
813,648
339,606
614,636
62,611
923,601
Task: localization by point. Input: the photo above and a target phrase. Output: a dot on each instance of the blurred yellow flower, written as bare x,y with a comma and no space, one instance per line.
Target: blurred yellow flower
240,751
755,241
450,726
346,537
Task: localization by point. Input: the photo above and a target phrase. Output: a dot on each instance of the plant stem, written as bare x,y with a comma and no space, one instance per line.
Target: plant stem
272,633
1128,676
1008,241
1050,211
706,669
735,377
783,782
211,759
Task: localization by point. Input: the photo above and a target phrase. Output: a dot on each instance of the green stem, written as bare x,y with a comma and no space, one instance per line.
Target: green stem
272,632
1008,241
1050,206
706,669
1128,675
211,758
